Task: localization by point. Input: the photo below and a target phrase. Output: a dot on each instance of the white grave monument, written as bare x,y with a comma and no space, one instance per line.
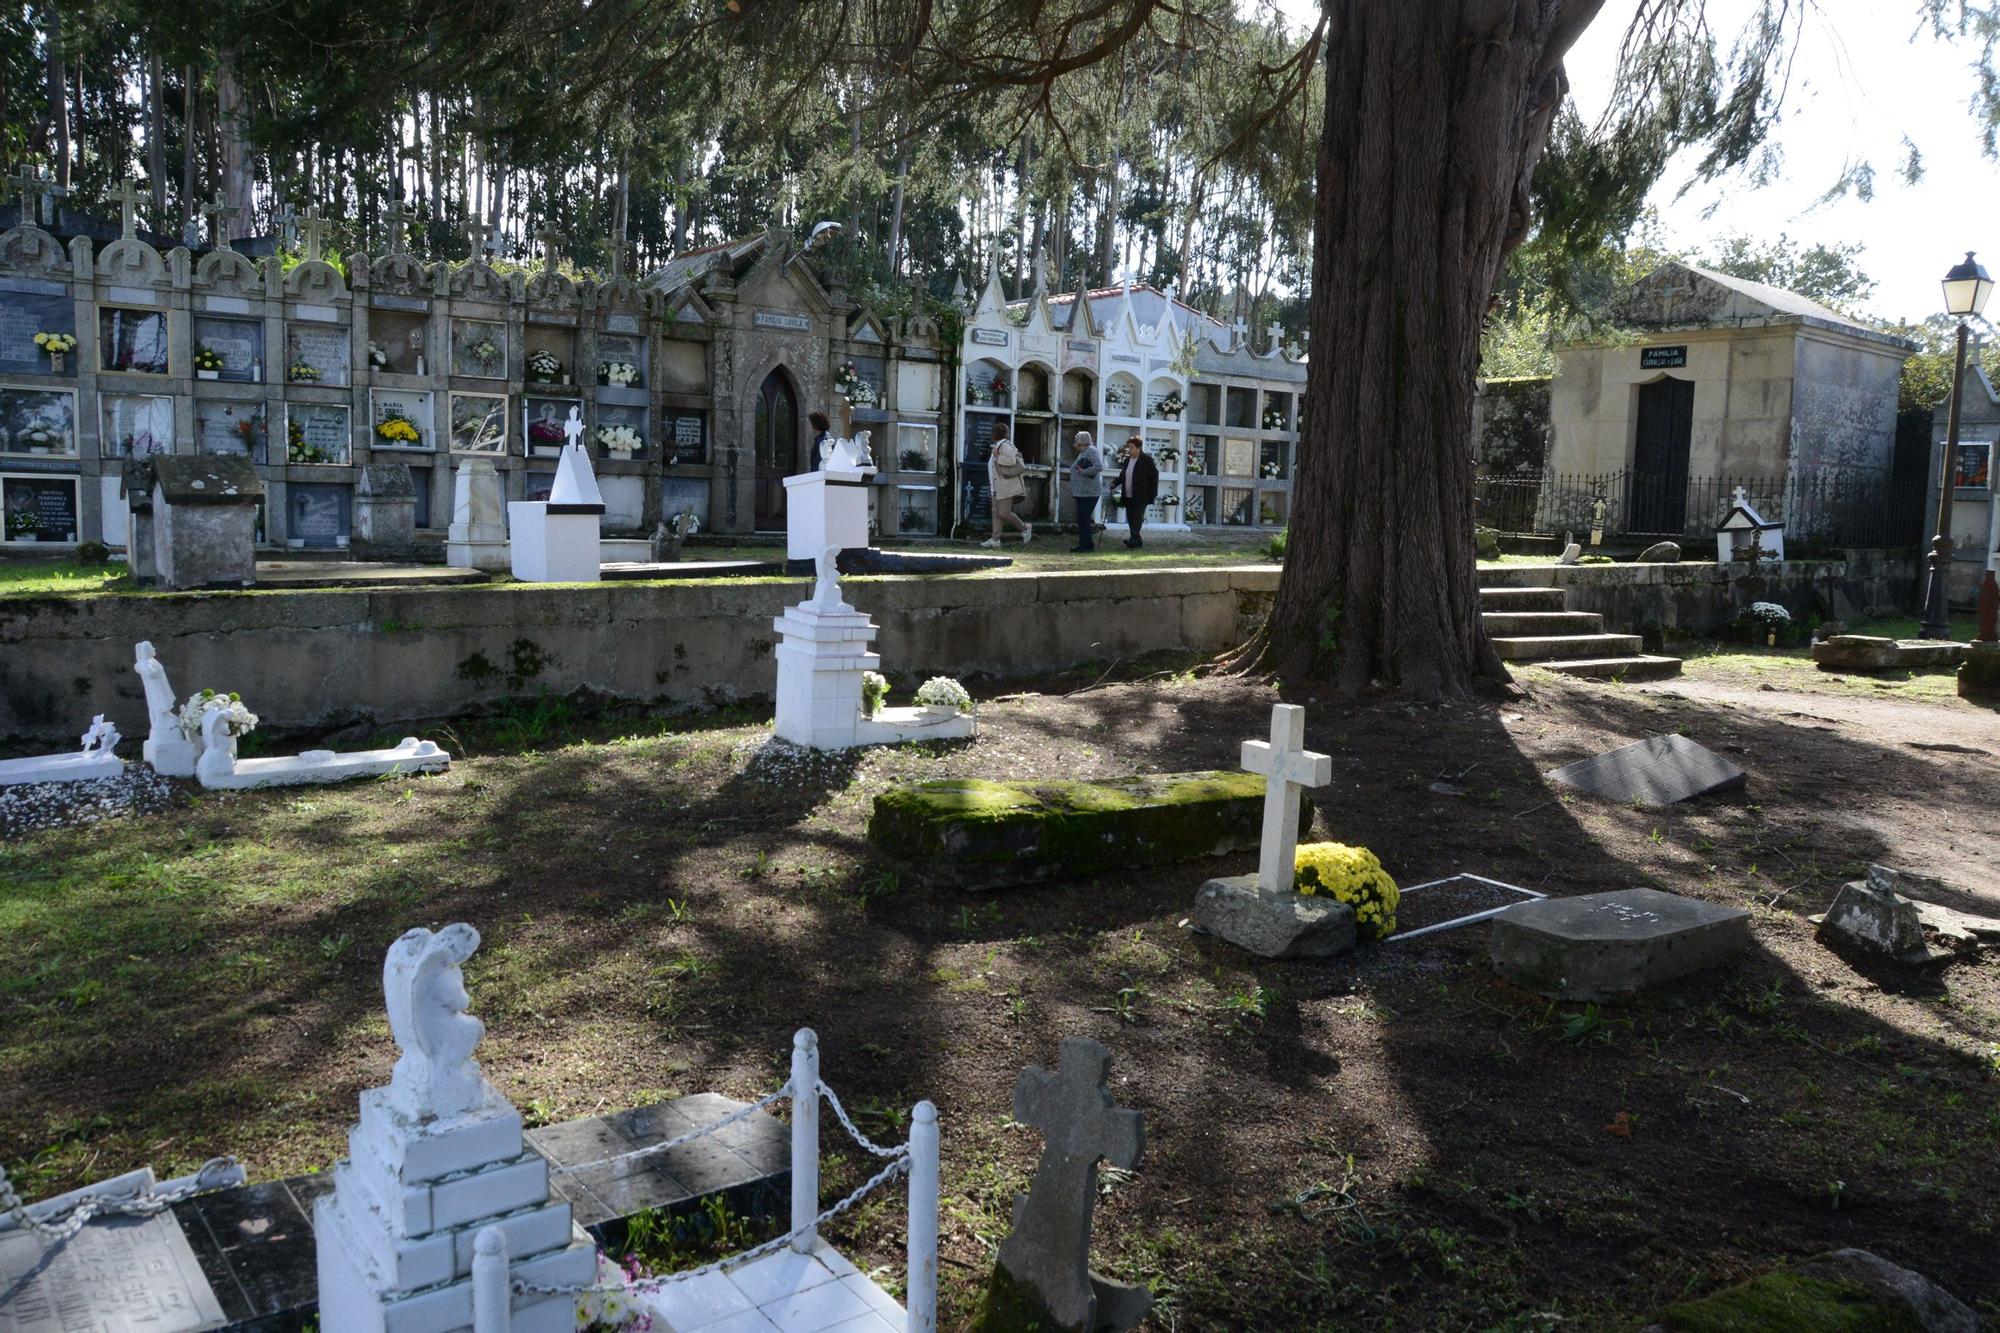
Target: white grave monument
94,760
829,507
557,540
1262,912
1745,534
477,537
220,769
439,1157
167,748
822,653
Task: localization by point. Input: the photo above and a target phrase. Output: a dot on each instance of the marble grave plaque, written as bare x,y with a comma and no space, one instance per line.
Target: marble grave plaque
26,309
117,1275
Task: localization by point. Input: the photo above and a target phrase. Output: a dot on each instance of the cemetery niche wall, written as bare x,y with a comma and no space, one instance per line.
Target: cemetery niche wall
694,383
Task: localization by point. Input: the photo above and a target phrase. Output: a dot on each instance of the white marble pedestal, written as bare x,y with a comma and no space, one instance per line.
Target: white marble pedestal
172,755
71,767
821,657
826,508
477,538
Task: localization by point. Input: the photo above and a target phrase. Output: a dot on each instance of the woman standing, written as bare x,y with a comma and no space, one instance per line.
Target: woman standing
1003,471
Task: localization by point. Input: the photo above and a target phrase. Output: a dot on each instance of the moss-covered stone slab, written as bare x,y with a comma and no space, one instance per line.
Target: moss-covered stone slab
1850,1290
978,834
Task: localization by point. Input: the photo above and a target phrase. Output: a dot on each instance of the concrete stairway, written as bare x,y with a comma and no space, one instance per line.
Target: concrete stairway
1529,626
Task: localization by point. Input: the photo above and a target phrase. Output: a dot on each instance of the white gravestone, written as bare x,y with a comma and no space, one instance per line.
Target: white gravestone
477,537
1263,913
1746,533
437,1158
94,760
559,540
220,769
829,507
822,654
167,747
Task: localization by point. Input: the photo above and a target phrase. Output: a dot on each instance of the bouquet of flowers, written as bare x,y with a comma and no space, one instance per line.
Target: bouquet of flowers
914,460
296,448
1770,615
239,721
874,689
1117,398
301,373
546,433
42,437
485,352
395,428
944,692
622,374
1167,457
1274,418
1272,470
207,358
1351,875
978,394
1170,501
249,428
1172,406
619,439
543,367
378,356
612,1306
56,344
23,523
684,524
856,390
1197,508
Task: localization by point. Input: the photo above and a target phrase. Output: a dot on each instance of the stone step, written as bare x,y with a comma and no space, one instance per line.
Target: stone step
1638,666
1553,647
1522,599
1519,624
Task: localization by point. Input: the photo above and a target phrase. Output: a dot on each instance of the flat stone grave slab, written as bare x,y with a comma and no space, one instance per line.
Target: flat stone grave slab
689,569
360,574
1868,652
1605,946
1659,770
246,1257
975,834
116,1275
1456,900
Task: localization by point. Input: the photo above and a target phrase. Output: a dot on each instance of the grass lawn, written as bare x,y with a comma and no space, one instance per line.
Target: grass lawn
1792,668
1393,1139
40,578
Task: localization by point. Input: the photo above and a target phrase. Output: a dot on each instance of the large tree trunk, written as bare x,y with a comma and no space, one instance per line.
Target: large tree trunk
156,133
236,174
57,80
1436,111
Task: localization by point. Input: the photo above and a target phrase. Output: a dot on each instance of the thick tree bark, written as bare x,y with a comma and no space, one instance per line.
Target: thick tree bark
57,80
236,174
190,118
1436,111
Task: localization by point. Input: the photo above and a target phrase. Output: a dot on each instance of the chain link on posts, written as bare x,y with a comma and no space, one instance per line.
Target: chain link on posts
860,1138
703,1132
523,1287
142,1204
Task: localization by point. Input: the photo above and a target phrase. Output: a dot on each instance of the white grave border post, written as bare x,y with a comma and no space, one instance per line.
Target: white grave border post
1287,766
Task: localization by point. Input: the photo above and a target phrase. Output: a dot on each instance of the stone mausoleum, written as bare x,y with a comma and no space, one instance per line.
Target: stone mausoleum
1718,377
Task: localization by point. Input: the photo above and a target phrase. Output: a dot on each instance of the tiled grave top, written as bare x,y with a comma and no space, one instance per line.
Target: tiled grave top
255,1244
782,1292
1659,770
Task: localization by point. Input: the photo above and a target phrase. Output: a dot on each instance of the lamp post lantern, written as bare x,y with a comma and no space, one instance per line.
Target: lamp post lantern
1966,290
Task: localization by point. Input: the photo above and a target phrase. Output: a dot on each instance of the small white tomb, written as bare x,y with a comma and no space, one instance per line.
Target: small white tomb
557,540
94,760
1745,534
822,654
220,769
439,1157
829,507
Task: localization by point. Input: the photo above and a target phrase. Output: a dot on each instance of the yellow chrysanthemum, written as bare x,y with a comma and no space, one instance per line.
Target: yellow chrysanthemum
1350,875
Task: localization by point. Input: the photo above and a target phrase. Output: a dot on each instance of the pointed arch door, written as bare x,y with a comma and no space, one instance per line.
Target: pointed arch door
775,431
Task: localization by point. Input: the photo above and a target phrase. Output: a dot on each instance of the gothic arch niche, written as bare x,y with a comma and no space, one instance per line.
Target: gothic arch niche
777,436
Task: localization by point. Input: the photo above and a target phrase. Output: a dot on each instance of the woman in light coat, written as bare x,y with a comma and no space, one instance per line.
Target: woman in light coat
1003,471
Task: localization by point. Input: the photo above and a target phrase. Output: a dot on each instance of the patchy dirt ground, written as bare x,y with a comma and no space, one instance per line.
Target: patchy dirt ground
1391,1140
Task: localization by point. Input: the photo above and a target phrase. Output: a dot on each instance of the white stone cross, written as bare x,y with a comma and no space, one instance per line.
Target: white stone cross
1287,766
315,228
127,196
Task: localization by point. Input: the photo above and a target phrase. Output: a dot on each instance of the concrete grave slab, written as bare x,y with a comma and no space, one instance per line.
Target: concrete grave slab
1602,946
116,1273
1659,770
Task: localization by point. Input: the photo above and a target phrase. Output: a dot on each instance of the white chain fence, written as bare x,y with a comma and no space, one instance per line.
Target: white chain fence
54,1222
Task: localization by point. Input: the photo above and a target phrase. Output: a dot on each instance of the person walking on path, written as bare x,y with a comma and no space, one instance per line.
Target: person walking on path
1139,485
1003,470
1086,485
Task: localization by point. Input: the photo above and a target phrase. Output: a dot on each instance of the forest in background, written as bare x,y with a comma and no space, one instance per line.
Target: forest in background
1152,163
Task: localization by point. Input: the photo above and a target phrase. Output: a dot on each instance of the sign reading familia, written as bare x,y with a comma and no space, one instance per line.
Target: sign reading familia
781,319
1662,358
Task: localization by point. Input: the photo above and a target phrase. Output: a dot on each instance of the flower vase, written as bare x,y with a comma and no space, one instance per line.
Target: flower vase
208,374
55,363
935,713
1771,638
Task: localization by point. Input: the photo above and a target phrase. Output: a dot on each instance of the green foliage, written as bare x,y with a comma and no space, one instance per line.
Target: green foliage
1827,274
1784,1302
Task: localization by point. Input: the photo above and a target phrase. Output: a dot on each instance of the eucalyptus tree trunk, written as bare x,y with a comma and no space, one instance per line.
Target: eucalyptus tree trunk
190,119
894,249
236,174
156,130
1436,111
56,79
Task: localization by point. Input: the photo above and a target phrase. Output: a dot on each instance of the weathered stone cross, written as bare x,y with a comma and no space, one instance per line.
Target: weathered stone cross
1048,1251
218,215
476,233
551,240
315,228
28,188
399,221
1287,766
128,194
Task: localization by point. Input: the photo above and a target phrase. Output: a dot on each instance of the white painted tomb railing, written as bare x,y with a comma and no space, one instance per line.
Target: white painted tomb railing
794,1282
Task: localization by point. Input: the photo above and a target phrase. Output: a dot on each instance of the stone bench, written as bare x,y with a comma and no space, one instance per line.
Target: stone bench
975,834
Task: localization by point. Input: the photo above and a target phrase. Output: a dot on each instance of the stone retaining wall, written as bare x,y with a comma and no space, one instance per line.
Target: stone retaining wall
322,659
1701,598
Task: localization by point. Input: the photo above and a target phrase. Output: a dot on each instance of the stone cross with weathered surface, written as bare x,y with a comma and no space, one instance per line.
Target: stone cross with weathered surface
399,221
551,240
128,194
476,234
1287,766
315,227
1047,1254
28,188
219,214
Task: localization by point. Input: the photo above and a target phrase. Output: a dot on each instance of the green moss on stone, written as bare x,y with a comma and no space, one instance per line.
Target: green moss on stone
980,833
1787,1302
1010,1307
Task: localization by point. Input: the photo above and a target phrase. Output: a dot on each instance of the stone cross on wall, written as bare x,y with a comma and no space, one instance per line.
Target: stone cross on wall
1669,297
28,190
219,214
288,224
476,234
127,195
1287,766
315,228
399,223
551,240
1048,1250
1274,337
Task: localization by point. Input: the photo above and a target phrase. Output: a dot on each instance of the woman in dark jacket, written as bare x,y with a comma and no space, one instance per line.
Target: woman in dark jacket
1138,484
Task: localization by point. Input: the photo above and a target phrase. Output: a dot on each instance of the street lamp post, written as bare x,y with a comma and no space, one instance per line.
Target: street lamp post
1966,290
